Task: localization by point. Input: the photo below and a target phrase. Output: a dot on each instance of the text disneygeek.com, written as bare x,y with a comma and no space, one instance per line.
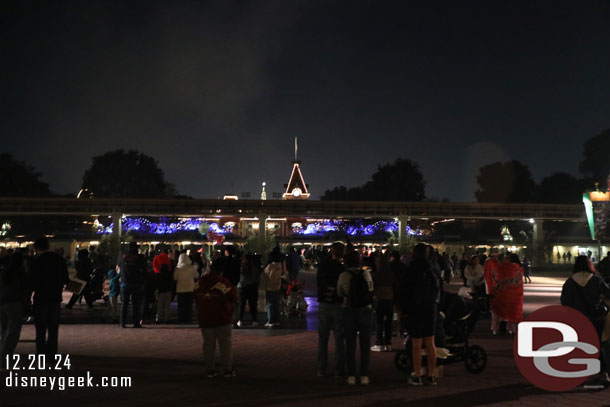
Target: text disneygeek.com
19,367
15,380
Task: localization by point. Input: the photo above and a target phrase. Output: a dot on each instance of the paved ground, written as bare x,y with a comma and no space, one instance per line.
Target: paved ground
274,368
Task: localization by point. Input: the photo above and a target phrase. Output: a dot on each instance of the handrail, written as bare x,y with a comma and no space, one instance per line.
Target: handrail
290,208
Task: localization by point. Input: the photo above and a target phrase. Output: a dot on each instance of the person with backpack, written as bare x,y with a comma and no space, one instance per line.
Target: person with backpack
421,297
133,269
355,287
330,310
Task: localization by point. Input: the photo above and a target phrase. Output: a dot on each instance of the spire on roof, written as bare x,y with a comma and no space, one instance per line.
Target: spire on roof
296,187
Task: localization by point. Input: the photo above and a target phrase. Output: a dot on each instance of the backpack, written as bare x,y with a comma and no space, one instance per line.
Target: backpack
359,294
427,289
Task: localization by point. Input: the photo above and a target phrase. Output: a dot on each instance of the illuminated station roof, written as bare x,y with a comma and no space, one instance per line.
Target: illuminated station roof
296,187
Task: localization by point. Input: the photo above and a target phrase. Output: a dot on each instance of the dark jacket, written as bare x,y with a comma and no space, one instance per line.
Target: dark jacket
327,277
400,270
386,284
584,292
49,275
13,287
165,279
231,269
413,283
294,262
604,268
84,268
133,270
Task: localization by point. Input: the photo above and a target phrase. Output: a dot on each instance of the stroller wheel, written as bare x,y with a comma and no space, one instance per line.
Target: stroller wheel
475,359
402,361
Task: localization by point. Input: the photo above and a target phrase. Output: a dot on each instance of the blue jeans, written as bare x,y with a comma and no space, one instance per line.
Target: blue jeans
46,318
273,307
329,318
11,316
357,323
133,295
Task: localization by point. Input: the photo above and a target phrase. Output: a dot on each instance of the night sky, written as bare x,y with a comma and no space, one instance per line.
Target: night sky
217,91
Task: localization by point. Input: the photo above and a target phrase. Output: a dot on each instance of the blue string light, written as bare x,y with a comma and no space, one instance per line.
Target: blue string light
145,226
354,227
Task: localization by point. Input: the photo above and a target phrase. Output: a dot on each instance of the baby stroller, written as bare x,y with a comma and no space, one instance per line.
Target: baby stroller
293,301
451,337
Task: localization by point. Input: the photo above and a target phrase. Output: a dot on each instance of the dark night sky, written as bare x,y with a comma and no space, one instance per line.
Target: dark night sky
216,91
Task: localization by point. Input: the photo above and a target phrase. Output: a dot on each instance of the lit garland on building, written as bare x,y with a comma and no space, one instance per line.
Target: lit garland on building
145,226
319,228
352,228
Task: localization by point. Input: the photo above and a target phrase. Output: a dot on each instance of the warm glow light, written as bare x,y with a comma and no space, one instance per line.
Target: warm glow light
599,196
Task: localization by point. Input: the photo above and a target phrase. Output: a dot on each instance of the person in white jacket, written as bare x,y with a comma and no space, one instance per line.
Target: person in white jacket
474,273
185,276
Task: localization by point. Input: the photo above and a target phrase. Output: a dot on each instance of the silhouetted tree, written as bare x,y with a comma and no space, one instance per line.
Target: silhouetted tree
596,163
560,188
509,181
121,174
399,181
18,179
339,193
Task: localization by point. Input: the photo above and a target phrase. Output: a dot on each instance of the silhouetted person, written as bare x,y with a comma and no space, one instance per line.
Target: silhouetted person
132,268
185,275
330,310
13,294
49,275
84,268
294,264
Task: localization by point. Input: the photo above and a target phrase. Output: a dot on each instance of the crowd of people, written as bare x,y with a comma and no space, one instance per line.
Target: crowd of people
351,288
357,291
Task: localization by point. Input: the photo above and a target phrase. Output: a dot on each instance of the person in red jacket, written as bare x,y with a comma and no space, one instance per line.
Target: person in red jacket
215,296
160,260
